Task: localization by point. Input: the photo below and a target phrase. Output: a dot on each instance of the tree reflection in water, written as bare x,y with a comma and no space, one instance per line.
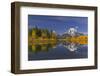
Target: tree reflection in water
41,47
71,46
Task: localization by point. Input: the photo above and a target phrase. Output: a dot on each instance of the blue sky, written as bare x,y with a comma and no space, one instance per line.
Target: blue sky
58,23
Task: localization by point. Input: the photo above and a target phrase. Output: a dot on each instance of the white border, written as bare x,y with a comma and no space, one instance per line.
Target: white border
25,64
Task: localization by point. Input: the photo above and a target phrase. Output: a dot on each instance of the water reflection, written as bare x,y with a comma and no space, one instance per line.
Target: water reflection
71,46
42,47
57,50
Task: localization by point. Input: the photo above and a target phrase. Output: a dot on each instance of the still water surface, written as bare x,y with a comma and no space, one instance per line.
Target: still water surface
57,51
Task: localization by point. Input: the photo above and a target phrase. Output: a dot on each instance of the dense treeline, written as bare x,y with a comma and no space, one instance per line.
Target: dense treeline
42,32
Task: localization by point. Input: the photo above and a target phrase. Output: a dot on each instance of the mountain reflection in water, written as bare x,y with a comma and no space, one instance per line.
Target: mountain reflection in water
57,50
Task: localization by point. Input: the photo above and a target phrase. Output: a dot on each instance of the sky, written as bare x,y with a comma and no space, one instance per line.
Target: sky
60,24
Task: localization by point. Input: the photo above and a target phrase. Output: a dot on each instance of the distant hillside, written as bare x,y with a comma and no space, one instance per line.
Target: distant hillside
68,35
